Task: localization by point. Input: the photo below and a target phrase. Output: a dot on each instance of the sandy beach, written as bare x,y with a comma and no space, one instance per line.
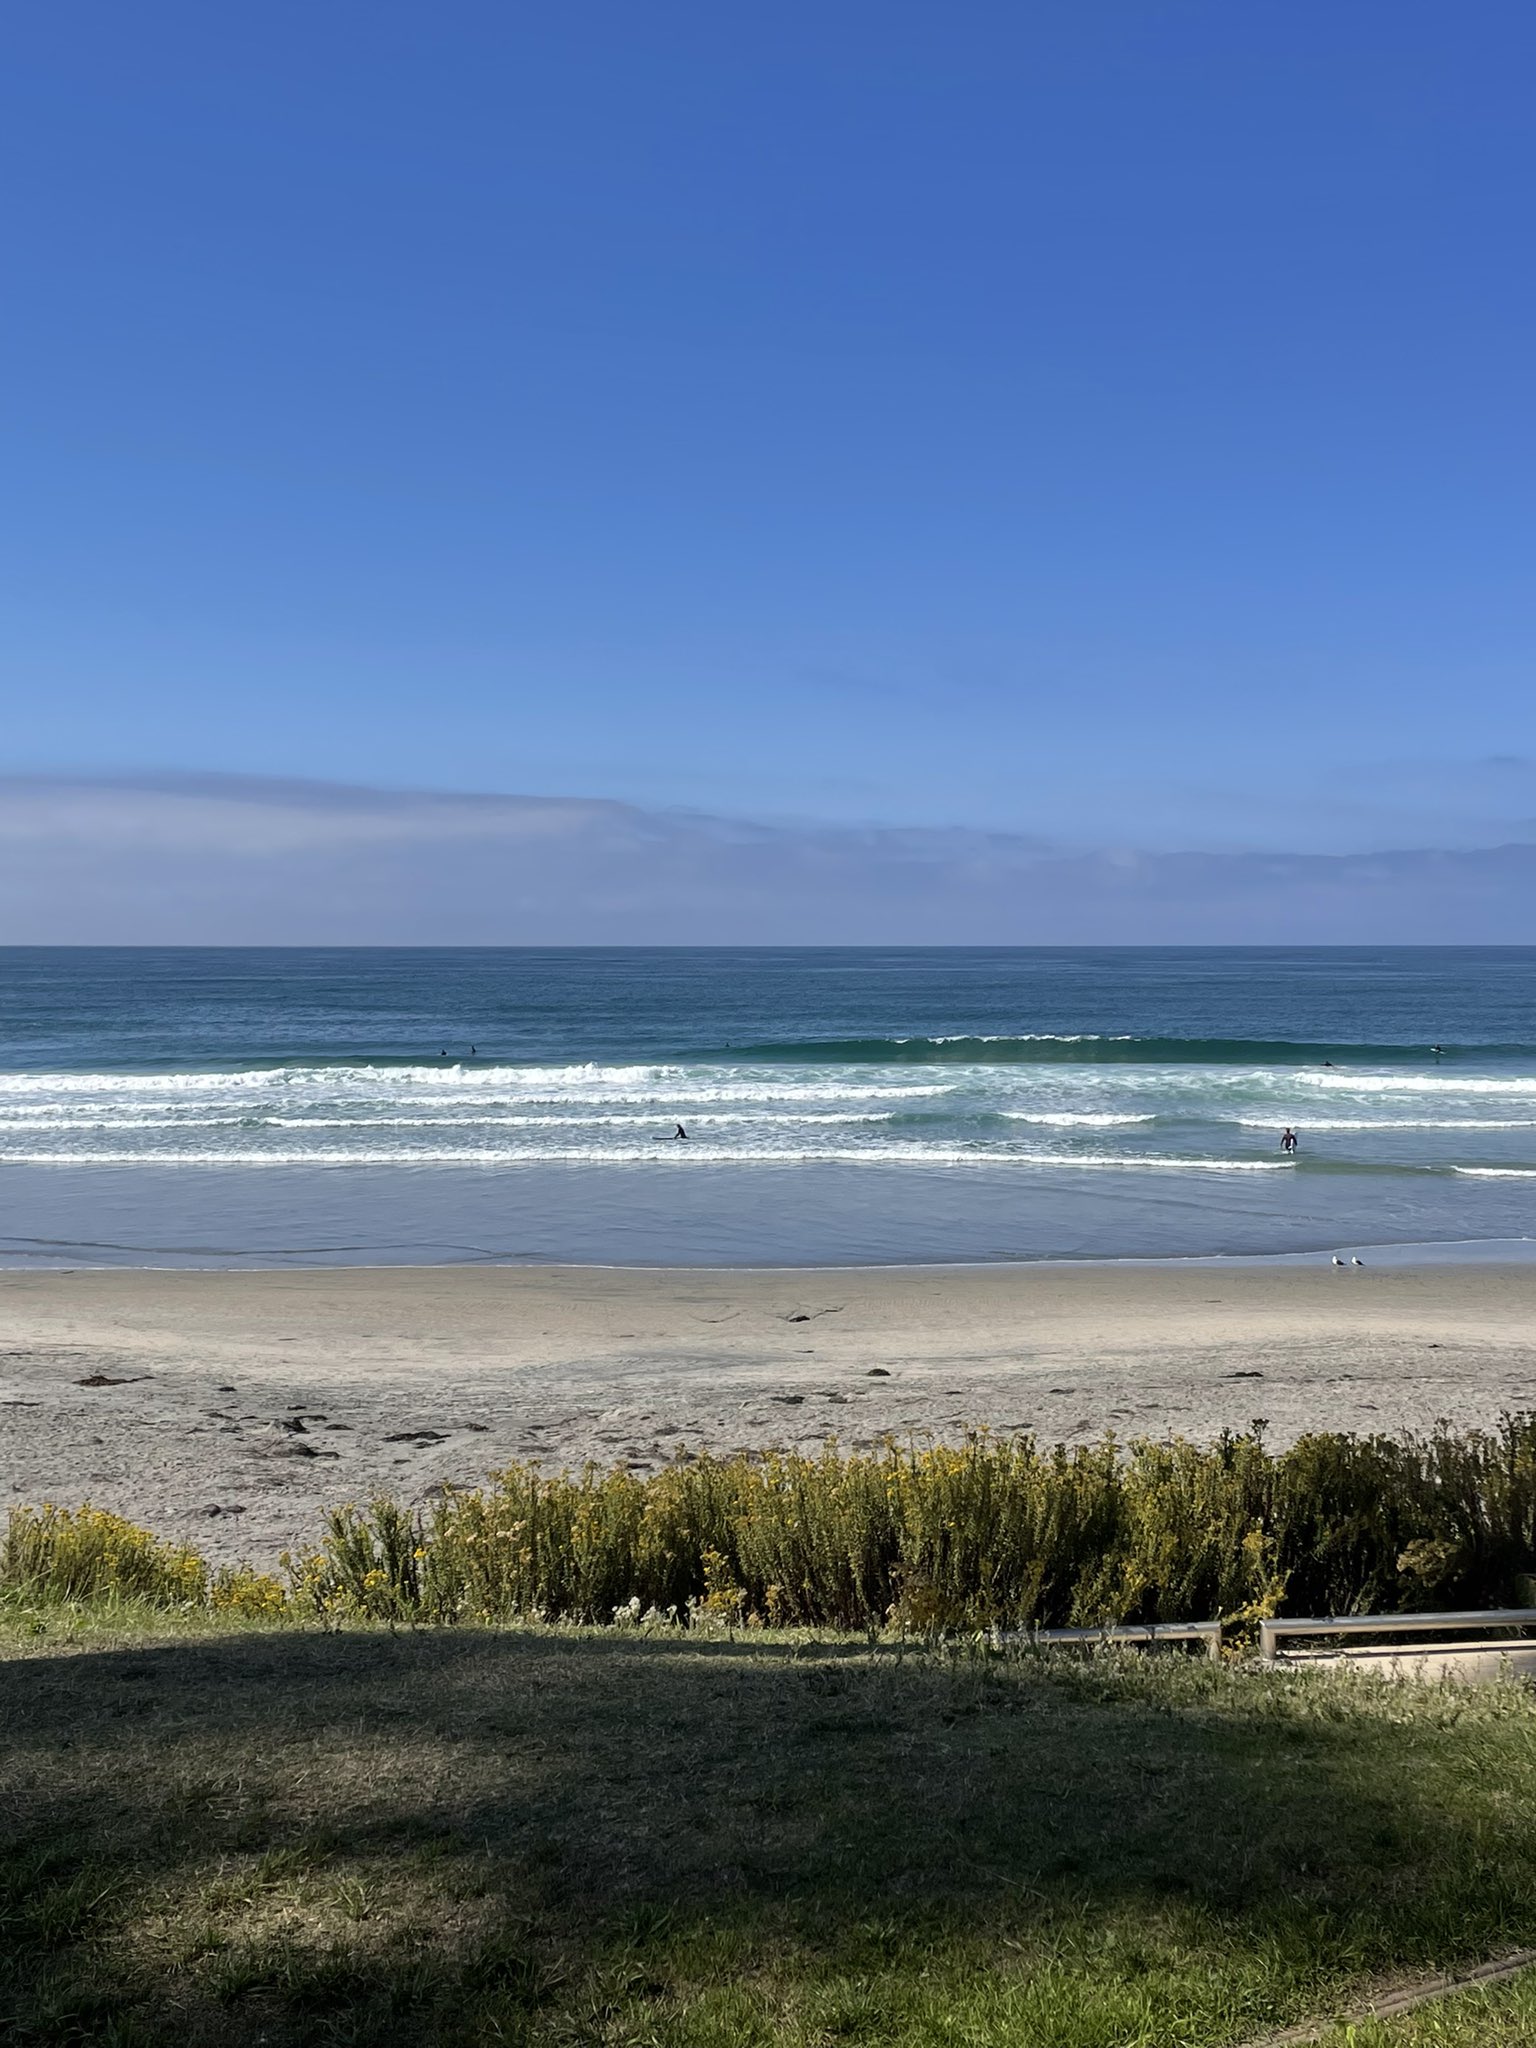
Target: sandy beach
231,1408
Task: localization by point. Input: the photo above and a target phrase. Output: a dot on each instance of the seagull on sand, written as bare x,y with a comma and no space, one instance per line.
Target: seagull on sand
1337,1260
1356,1262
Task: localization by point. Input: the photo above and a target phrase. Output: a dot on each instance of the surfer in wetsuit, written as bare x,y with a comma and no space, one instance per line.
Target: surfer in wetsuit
1288,1140
679,1132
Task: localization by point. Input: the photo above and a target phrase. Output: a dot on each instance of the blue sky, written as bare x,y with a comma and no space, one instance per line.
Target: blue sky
1108,424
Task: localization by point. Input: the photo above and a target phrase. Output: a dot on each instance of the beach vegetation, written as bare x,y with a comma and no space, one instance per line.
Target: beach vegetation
990,1534
993,1534
85,1557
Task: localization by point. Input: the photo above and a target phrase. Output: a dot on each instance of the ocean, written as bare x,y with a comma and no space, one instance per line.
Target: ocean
271,1107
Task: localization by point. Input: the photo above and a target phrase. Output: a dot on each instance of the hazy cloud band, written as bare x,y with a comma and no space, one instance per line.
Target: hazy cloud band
244,861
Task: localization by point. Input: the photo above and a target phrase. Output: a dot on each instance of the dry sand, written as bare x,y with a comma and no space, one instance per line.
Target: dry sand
229,1408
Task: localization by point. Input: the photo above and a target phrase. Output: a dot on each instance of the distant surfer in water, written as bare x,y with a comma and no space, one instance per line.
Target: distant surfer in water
679,1132
1288,1140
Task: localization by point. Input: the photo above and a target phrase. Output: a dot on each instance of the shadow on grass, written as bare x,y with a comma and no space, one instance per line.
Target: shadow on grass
549,1837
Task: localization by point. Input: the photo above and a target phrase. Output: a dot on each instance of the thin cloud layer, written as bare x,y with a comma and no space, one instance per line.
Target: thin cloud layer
245,861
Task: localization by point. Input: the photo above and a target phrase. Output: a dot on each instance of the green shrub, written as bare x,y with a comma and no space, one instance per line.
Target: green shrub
986,1534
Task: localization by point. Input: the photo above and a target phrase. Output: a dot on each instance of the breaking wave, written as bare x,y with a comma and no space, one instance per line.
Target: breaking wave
1047,1048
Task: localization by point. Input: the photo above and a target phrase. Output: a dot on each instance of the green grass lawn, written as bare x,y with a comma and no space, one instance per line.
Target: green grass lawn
282,1836
1497,2018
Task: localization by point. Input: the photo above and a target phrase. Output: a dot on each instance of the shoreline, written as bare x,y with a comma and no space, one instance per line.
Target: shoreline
1397,1254
231,1408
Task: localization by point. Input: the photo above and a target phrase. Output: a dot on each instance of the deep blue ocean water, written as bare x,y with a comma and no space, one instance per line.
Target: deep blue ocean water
207,1106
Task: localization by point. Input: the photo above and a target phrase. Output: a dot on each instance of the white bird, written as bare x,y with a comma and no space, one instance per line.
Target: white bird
1356,1262
1337,1260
